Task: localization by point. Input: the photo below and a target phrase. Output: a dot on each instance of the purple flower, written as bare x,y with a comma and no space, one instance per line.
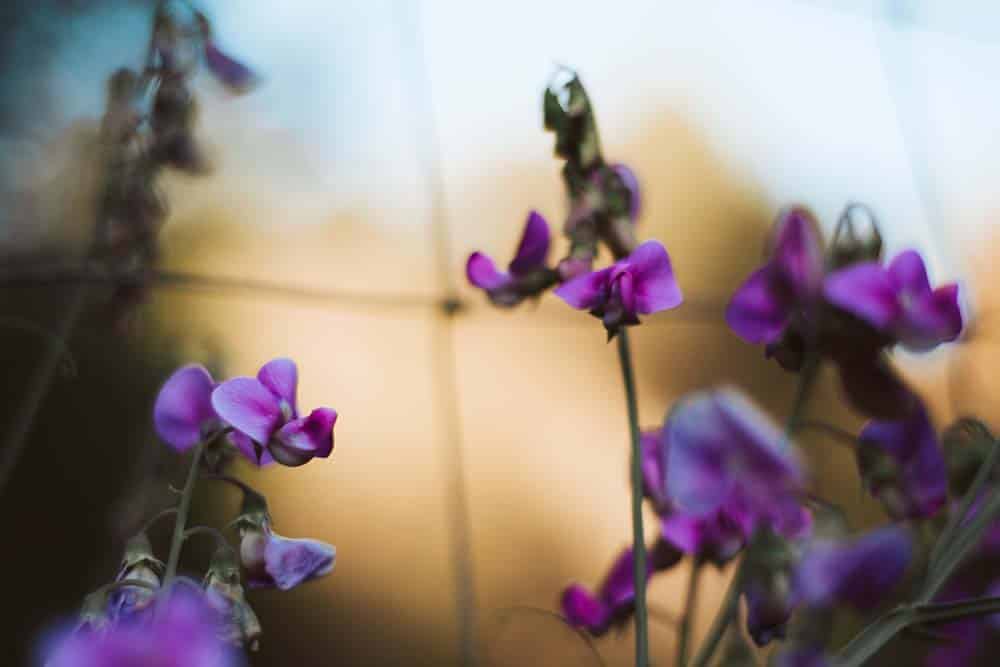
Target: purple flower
183,414
526,274
640,284
236,76
716,536
182,633
614,601
788,284
138,564
898,300
273,561
263,411
859,573
902,464
726,455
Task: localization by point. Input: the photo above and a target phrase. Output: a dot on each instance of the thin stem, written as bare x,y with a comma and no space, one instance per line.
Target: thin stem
807,379
690,608
207,530
242,486
182,514
838,434
722,620
955,521
149,524
37,388
638,535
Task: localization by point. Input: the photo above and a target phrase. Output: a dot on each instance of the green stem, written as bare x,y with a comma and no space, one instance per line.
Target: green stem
182,514
944,542
638,535
722,620
690,607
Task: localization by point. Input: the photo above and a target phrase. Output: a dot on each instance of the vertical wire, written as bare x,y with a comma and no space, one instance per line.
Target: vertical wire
443,351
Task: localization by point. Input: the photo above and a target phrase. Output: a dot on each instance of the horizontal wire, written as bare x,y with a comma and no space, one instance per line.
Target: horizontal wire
696,310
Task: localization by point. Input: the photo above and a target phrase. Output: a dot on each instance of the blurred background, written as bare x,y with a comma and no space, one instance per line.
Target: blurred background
481,460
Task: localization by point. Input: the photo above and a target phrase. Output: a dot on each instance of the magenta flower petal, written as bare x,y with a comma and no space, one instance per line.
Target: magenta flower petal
864,290
798,253
248,406
757,312
281,377
246,447
300,440
483,273
654,284
586,291
583,610
534,246
920,485
654,465
907,272
930,320
236,76
291,562
717,536
860,573
183,411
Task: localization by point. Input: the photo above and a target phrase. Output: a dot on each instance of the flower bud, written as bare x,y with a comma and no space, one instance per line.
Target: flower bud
240,627
138,564
856,237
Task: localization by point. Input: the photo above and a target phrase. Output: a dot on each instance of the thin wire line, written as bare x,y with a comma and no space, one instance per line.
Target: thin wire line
443,341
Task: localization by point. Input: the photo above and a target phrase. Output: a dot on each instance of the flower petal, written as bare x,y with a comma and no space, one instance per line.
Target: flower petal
583,610
931,320
653,282
248,406
618,588
281,377
866,291
300,440
859,573
534,246
798,253
654,462
184,407
230,72
908,273
586,291
291,562
246,447
482,272
757,312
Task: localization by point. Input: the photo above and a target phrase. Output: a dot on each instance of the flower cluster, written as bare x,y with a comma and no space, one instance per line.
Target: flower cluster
148,126
844,305
150,614
605,203
259,415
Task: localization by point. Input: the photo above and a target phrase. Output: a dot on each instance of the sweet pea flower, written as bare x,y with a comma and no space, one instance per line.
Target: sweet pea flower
526,274
641,284
858,573
138,564
726,455
234,75
716,536
898,300
264,413
786,286
614,601
183,414
182,633
902,464
274,561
